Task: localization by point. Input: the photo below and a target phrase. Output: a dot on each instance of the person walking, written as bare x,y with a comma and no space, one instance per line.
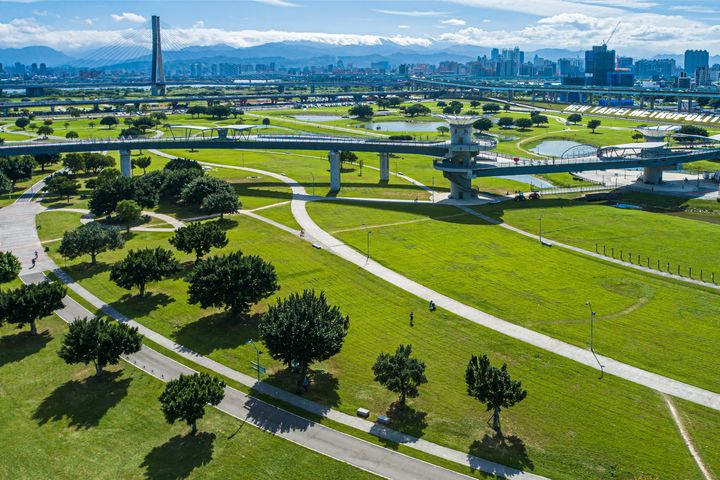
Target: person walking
33,263
306,383
412,317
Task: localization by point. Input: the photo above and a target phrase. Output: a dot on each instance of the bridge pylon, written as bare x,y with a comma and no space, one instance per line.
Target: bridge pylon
157,74
457,165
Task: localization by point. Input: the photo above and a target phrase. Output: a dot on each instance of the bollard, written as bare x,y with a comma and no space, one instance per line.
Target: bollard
612,252
701,275
659,265
713,277
596,249
604,250
668,269
621,256
630,257
690,272
678,270
638,261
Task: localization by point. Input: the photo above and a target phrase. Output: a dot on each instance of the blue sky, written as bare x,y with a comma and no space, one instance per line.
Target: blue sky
647,26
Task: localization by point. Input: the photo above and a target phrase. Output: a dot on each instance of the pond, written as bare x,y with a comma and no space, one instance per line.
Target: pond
317,118
530,180
405,126
555,148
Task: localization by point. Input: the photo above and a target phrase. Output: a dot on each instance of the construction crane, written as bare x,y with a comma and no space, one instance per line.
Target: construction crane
612,34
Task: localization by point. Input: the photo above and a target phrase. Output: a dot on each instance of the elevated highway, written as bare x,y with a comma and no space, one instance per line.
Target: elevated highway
6,107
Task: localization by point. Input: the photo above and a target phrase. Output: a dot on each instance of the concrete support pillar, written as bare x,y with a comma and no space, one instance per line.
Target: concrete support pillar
652,175
334,171
460,187
125,163
642,102
384,167
510,95
652,103
679,105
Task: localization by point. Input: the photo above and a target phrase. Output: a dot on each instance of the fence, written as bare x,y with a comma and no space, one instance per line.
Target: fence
674,269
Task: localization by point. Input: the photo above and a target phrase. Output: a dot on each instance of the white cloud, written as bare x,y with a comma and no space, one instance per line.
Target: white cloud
412,13
694,9
403,26
277,3
455,22
128,17
544,8
199,24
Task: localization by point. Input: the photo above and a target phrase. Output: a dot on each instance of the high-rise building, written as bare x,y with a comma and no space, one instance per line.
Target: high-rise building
495,54
599,62
695,59
569,67
624,62
656,69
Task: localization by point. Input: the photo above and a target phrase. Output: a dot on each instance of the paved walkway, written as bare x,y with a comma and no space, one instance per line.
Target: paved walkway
315,234
18,221
346,448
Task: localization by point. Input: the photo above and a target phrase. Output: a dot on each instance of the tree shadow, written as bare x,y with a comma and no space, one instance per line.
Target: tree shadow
407,419
18,346
268,418
140,305
83,402
507,450
323,386
226,223
86,269
217,331
179,456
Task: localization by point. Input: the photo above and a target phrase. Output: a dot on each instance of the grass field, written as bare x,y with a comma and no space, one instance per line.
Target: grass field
580,441
660,236
65,424
661,326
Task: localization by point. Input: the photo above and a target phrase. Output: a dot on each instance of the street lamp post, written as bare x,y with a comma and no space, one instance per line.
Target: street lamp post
540,229
313,183
368,245
257,352
433,189
592,317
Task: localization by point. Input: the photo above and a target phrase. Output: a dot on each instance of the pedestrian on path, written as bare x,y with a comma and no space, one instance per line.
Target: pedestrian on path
306,383
36,254
33,263
412,317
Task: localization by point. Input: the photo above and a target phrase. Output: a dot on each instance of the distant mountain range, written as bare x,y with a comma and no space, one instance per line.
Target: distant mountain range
288,54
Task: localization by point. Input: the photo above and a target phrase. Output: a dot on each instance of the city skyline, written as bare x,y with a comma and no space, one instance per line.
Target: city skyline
646,28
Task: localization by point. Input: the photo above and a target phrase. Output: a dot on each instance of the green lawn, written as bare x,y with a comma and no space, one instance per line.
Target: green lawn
567,428
65,424
690,243
703,424
659,325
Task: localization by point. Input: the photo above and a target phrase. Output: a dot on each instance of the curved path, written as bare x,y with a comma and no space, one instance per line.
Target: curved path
19,235
88,217
315,234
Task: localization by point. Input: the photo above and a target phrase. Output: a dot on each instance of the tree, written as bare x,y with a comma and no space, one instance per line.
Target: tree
346,156
44,159
29,303
142,266
181,164
199,188
483,124
95,162
176,180
22,122
218,111
235,112
199,238
45,130
91,124
302,329
17,168
416,110
523,123
266,122
131,132
399,373
441,104
196,110
72,135
361,111
66,125
48,122
9,266
90,239
62,186
185,398
144,123
475,103
143,162
574,118
593,124
5,184
221,202
492,386
506,122
539,119
129,212
100,341
109,121
638,136
491,108
443,130
234,282
693,130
